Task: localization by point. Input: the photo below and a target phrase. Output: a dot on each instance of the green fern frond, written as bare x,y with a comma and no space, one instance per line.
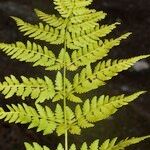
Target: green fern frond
86,21
101,108
96,110
40,32
88,80
64,7
82,3
91,36
111,144
32,52
52,20
42,118
67,8
79,11
93,52
80,7
35,146
94,16
71,96
77,28
38,89
107,145
59,89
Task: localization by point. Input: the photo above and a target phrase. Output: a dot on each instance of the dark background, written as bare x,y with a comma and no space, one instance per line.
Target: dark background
133,120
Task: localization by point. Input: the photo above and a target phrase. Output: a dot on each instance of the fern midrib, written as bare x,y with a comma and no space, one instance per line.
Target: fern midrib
64,78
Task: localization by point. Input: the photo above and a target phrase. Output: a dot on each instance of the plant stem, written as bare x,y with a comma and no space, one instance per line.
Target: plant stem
65,103
65,117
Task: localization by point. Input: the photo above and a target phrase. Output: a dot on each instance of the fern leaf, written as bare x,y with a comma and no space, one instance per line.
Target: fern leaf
38,89
72,126
111,144
72,147
41,32
32,52
80,118
93,52
35,146
94,16
64,7
59,114
84,146
70,95
94,145
82,39
52,20
69,115
42,118
85,22
107,145
59,87
60,147
104,71
83,3
101,108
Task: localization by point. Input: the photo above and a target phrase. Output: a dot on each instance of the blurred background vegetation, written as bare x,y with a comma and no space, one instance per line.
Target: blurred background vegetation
133,120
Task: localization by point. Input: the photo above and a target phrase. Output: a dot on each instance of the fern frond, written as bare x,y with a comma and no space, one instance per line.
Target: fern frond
101,108
35,146
107,145
58,87
42,118
93,52
59,117
80,7
41,32
112,145
64,7
85,22
91,36
88,80
59,90
95,16
32,52
52,20
83,3
67,8
38,89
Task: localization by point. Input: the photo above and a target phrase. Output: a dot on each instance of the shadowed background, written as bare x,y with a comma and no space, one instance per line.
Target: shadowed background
133,120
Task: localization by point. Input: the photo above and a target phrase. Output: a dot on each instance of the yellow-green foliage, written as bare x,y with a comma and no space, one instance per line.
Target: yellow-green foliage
81,45
107,145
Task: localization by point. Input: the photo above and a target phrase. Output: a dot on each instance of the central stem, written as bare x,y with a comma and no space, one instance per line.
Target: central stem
64,80
65,115
65,104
